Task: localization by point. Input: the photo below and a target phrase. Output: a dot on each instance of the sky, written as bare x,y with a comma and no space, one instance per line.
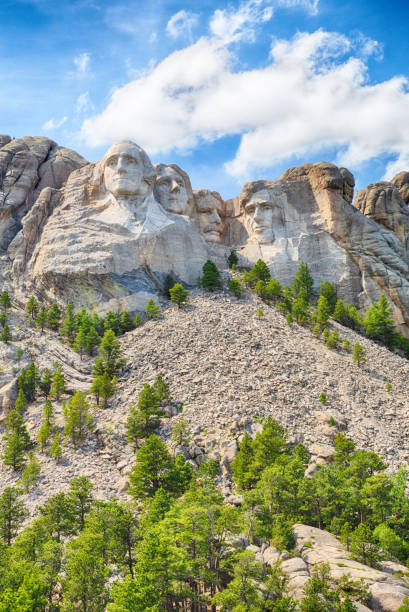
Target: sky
230,91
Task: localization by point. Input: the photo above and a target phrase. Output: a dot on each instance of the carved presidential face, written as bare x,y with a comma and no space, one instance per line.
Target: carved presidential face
126,172
259,212
171,190
210,210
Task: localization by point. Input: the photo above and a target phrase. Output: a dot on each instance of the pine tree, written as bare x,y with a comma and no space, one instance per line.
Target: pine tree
152,310
80,499
54,316
46,425
45,382
12,514
42,319
328,291
333,340
300,306
107,388
55,450
303,280
78,420
378,322
32,307
110,352
57,382
232,259
161,388
112,321
126,322
80,343
152,468
179,295
5,301
69,327
31,472
144,419
260,272
241,466
5,335
321,312
3,319
211,276
17,440
28,381
137,320
18,354
340,313
235,287
272,290
180,432
95,388
358,353
92,340
21,402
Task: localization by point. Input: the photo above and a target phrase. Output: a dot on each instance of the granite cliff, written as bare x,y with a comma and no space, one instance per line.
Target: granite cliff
108,233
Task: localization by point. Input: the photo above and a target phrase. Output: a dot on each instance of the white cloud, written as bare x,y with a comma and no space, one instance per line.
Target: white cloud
231,25
313,94
53,125
83,103
82,63
311,6
181,23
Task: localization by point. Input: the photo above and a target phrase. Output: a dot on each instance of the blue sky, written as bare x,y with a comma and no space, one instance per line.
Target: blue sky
231,91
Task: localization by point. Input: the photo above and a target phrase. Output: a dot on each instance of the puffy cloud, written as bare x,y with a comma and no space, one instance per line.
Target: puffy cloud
54,124
313,94
181,23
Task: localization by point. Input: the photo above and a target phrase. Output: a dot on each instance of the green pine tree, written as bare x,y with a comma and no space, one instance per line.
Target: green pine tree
378,322
78,420
327,290
92,340
232,259
211,276
358,353
5,334
55,450
69,327
110,352
31,472
54,316
235,287
126,322
12,514
17,440
5,301
42,319
303,280
32,307
152,310
152,468
58,387
21,402
179,295
80,343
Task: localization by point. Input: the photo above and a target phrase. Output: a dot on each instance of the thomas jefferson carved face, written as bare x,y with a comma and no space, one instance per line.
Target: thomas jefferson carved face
171,190
126,171
210,210
261,211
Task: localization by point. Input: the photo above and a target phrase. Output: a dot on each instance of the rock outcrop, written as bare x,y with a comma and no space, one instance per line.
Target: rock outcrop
28,165
116,228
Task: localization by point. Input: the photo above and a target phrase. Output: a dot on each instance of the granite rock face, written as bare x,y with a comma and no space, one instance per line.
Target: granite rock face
112,232
28,165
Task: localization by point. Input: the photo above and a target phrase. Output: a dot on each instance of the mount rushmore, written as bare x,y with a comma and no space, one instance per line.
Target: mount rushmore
106,234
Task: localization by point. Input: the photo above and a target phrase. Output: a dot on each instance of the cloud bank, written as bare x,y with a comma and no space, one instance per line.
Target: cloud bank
313,94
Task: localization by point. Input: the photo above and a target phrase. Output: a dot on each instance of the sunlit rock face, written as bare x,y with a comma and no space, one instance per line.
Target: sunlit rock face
173,189
209,213
28,165
383,203
108,242
401,182
106,234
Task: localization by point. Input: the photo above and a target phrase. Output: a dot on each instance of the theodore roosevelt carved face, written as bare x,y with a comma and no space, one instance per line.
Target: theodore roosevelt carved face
209,208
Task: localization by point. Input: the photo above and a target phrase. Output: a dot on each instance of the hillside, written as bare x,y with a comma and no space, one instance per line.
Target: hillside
226,367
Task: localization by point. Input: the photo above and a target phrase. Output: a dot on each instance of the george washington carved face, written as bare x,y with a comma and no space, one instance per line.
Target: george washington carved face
127,170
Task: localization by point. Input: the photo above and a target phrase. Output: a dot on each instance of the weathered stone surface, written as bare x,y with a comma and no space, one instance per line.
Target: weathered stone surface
111,234
317,546
27,165
8,395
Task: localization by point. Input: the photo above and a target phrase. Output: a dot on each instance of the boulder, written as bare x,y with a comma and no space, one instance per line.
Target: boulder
8,395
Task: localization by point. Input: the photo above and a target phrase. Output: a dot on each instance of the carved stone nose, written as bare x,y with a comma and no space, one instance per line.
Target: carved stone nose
174,186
